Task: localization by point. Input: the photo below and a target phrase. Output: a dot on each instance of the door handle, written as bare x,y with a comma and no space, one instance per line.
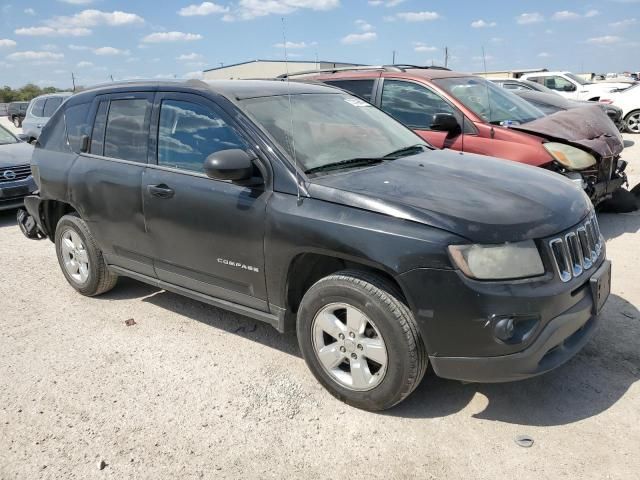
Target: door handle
160,191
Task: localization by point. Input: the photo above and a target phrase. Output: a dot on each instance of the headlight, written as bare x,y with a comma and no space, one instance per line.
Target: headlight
498,262
570,157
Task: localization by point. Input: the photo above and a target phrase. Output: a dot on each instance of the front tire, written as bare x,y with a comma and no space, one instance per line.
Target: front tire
360,340
81,259
632,122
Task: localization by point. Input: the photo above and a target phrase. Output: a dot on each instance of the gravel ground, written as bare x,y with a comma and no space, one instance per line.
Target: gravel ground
191,391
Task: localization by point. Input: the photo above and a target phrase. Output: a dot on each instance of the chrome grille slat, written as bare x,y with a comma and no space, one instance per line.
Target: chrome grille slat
578,250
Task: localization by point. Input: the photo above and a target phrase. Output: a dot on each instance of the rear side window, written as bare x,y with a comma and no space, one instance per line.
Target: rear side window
189,133
51,105
77,125
360,88
127,134
412,104
38,107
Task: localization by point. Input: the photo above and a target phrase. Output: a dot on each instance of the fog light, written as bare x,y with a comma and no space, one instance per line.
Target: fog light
504,329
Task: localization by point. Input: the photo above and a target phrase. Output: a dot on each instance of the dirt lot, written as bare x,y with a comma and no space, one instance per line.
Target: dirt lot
191,391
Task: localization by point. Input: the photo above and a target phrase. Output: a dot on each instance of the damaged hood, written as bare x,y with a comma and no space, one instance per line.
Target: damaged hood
586,128
484,199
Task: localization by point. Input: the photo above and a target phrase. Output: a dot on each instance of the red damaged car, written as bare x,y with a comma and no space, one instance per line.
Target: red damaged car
468,113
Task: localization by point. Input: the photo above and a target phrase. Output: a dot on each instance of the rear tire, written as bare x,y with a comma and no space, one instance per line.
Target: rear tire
380,358
81,259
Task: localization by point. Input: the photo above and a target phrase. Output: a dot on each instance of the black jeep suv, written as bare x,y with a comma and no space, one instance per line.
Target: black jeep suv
310,209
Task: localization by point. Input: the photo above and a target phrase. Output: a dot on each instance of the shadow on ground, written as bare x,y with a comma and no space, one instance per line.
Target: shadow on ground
613,225
8,218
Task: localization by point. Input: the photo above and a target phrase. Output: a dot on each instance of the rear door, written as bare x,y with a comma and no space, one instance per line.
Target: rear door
106,181
206,235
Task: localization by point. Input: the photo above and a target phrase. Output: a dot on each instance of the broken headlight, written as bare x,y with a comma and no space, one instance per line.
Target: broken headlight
570,157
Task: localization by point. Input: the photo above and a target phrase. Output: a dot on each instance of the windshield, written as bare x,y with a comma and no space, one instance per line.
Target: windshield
330,129
6,136
576,79
493,104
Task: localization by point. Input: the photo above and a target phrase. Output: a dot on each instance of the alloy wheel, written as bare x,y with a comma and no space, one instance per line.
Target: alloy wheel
75,256
633,122
349,347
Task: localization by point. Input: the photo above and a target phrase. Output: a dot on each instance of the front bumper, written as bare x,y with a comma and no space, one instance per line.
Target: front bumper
12,193
459,318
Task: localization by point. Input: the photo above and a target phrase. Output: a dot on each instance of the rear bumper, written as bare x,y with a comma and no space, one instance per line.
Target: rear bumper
561,339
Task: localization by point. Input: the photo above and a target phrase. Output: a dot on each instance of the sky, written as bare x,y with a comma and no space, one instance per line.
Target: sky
43,41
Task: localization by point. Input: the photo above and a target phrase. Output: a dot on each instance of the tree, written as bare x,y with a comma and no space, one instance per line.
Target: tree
24,94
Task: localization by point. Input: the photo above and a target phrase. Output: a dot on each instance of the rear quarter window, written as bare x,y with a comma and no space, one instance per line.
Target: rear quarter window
360,88
38,108
76,120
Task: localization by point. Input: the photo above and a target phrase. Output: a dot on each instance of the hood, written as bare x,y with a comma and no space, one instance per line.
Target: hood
586,128
15,154
484,199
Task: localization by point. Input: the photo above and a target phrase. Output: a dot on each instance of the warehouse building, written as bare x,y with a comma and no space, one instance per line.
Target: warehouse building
268,69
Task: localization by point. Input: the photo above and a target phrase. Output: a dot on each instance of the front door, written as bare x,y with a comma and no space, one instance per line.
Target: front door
206,235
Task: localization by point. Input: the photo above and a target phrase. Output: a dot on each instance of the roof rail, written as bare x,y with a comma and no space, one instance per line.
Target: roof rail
393,68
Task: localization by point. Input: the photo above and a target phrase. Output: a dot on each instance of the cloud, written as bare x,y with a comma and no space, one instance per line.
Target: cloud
544,55
53,32
292,45
249,9
189,57
592,13
529,18
29,11
79,47
418,16
354,38
94,18
628,22
364,25
77,2
482,24
165,37
205,8
566,15
84,64
7,43
31,55
198,75
423,47
604,40
110,51
386,3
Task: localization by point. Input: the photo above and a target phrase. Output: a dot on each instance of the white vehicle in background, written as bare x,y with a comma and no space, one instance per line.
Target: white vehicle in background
572,86
39,111
629,101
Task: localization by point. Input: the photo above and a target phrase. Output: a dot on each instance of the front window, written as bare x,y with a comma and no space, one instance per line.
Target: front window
576,79
319,130
493,104
6,137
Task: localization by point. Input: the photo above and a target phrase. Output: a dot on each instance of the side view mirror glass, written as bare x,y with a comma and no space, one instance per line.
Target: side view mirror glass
233,164
445,122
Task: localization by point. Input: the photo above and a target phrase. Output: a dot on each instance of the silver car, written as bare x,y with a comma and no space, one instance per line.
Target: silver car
40,110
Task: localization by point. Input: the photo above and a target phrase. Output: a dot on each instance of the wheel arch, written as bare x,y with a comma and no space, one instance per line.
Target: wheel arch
51,211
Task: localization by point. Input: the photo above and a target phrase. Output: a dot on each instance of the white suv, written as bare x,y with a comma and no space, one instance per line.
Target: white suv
571,86
39,111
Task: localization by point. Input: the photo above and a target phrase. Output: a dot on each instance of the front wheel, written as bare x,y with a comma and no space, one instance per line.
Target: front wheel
632,122
81,259
360,340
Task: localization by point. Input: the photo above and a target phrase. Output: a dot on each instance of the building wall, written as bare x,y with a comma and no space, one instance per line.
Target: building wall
265,69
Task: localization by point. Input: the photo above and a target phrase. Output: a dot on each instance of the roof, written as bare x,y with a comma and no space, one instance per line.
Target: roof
276,61
232,89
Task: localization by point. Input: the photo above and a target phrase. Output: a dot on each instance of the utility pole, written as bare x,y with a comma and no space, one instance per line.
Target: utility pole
73,81
111,77
484,61
393,61
446,57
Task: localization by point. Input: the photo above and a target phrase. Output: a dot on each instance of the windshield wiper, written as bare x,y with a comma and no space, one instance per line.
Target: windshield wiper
406,151
352,162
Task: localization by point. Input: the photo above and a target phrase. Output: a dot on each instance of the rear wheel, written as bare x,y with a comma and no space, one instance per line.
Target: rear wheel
81,259
632,122
360,340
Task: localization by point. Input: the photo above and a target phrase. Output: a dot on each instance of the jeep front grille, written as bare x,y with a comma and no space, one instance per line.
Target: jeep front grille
578,250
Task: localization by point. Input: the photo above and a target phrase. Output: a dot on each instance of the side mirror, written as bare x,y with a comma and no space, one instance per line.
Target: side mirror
234,164
569,88
445,122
